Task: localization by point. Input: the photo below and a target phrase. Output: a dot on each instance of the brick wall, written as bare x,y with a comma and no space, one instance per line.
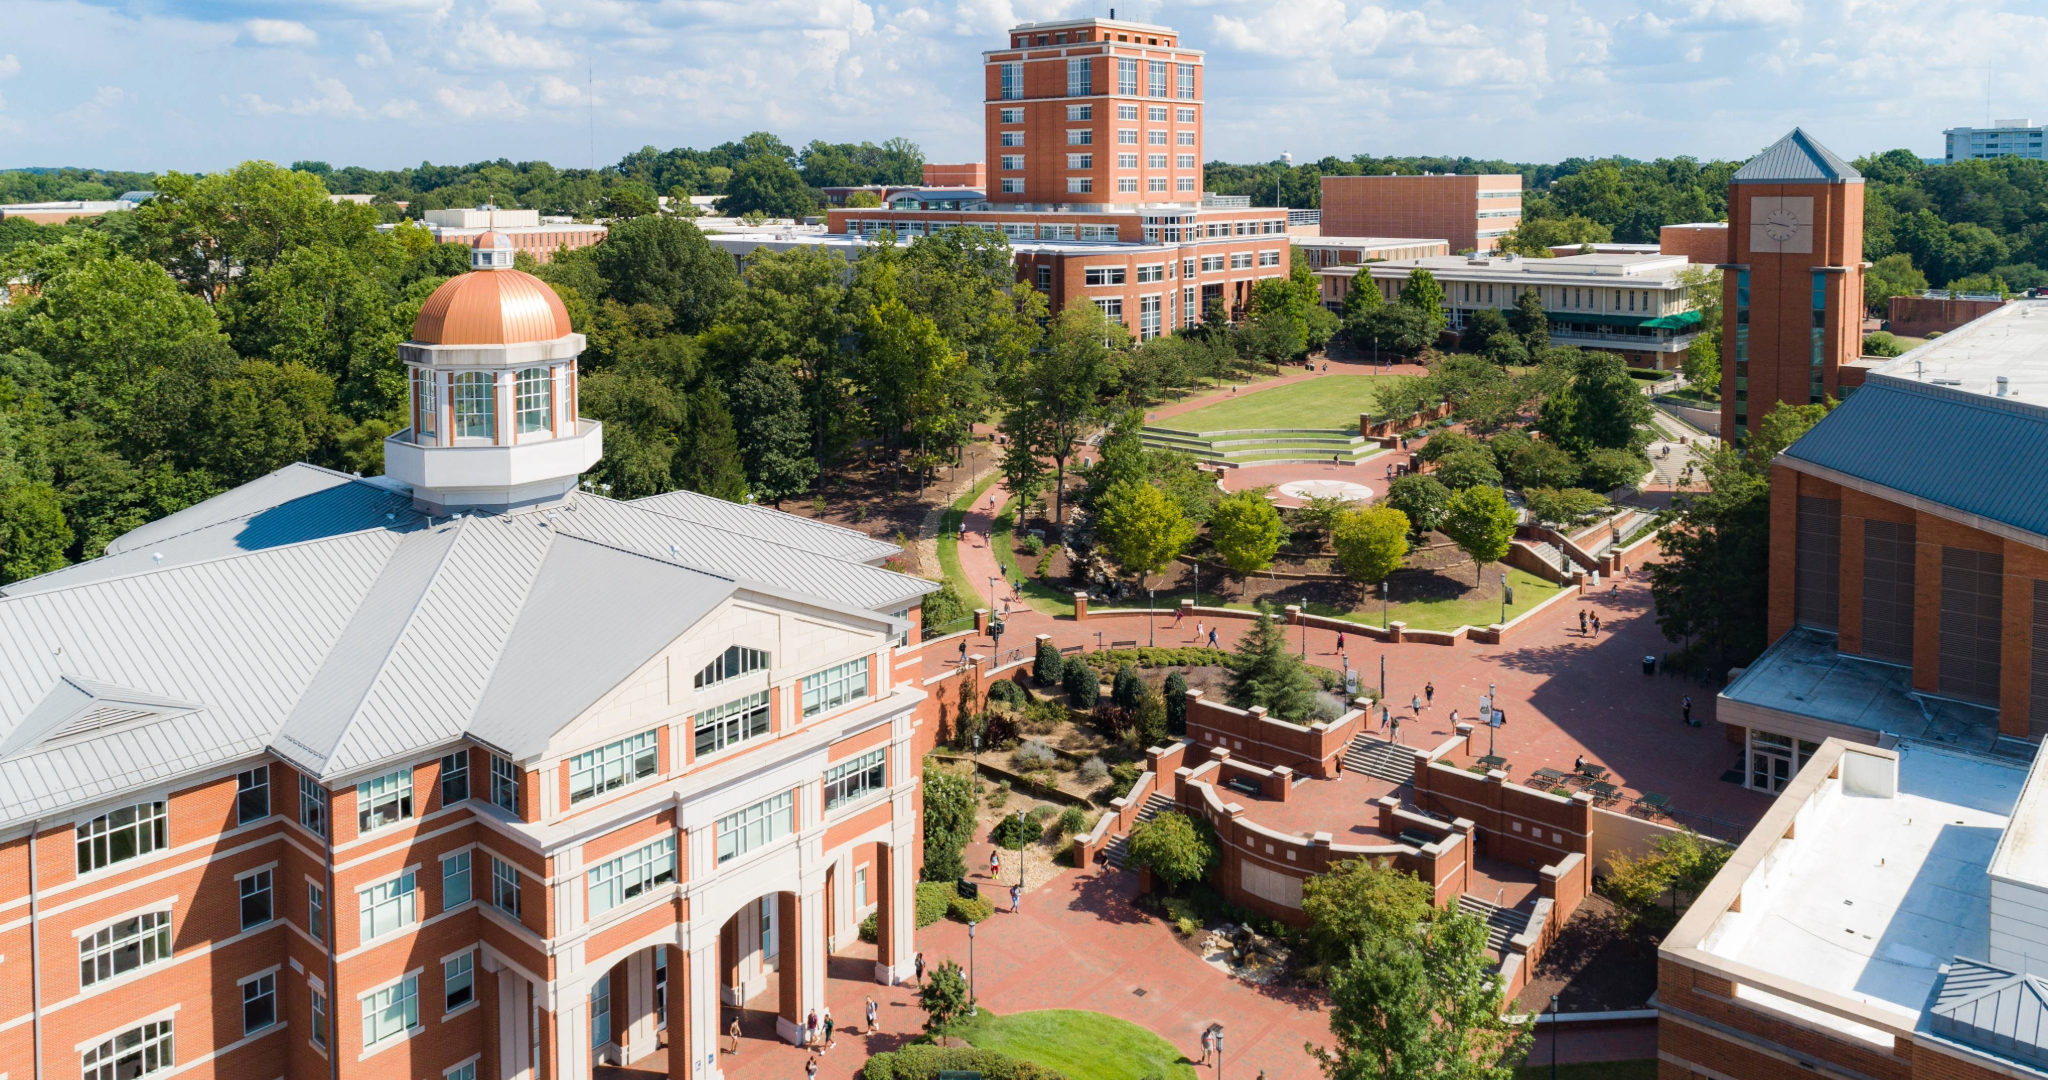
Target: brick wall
1919,316
1315,749
1515,824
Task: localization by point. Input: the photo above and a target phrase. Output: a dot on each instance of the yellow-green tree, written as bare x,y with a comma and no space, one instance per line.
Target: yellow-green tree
1142,529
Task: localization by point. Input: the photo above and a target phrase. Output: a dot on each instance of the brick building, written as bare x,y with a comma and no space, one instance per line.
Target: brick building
1470,212
1703,242
1792,307
1094,131
313,780
523,228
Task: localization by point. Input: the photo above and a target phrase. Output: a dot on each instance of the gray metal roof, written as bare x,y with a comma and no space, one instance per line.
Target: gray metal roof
1992,1009
1977,454
329,624
264,492
1796,159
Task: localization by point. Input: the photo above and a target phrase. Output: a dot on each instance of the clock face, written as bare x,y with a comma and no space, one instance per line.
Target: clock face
1781,224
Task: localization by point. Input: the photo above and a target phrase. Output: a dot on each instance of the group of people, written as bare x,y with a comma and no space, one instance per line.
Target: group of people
820,1031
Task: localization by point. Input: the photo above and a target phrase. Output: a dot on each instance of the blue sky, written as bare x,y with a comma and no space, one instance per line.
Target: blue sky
200,85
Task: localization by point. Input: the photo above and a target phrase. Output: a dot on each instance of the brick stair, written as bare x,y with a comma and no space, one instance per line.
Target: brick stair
1113,854
1388,761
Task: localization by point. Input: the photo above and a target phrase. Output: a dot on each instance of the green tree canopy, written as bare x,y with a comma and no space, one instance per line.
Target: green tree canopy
948,823
767,185
1141,527
1246,531
1176,847
1052,396
1264,671
1480,521
1421,498
1371,543
1357,900
1422,293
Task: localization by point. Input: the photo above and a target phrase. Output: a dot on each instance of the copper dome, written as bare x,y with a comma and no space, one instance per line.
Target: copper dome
491,307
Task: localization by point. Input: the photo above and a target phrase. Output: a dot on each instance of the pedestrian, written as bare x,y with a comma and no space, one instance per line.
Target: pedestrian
1596,624
811,1029
1454,719
1200,629
1685,707
1208,1043
1212,637
828,1028
1580,764
1582,624
995,862
874,1016
917,965
1415,704
811,1069
1385,717
733,1033
1340,643
1016,899
1179,613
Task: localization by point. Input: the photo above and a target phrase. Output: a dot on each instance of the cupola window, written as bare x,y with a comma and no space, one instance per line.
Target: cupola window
536,400
476,405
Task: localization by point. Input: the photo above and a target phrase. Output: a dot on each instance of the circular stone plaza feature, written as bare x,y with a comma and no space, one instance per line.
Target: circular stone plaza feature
1326,489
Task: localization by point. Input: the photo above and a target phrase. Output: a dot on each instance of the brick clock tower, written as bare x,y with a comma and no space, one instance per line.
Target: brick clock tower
1792,291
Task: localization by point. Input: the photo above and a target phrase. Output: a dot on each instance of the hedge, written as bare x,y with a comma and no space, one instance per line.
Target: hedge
932,899
1107,661
970,911
922,1062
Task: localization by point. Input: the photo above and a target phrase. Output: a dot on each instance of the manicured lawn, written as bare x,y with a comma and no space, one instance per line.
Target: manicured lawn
949,551
1082,1045
1446,614
1644,1069
1333,401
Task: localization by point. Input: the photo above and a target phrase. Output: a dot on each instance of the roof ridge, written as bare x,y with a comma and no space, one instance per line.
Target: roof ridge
747,507
349,478
675,563
6,596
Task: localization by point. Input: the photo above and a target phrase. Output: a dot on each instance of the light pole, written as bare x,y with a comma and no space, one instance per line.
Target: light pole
1553,1037
1020,853
973,1005
1301,617
1219,1053
1383,604
1151,624
1383,679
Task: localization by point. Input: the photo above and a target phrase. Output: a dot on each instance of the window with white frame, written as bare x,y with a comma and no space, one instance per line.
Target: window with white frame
476,405
621,879
454,778
455,880
1127,183
384,800
1080,136
1127,161
755,827
1012,81
144,1050
1186,84
1190,309
504,886
1269,258
1112,307
317,1009
736,660
1013,185
255,898
1080,161
1185,183
467,1070
1011,138
1127,136
124,946
1012,115
1212,263
1156,113
601,1011
1148,318
534,398
316,912
851,781
1013,163
1187,267
1127,77
1156,183
252,795
259,1003
423,403
1185,116
1155,78
835,686
1016,231
1103,275
1077,113
504,785
1184,161
1098,232
1079,185
732,722
1127,112
1080,77
1184,138
1155,137
614,765
458,982
1155,161
1241,260
120,835
391,1012
388,906
1153,272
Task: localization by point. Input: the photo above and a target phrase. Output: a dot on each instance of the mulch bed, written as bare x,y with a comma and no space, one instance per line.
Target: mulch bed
1592,966
877,499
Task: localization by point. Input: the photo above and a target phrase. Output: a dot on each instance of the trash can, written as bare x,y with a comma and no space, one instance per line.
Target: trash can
1650,664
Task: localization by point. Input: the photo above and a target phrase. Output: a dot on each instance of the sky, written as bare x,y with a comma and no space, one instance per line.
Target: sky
199,85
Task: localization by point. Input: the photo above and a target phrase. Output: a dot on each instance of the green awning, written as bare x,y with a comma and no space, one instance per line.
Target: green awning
1684,320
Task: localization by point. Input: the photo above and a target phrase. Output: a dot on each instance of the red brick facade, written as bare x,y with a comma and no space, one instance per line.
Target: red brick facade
1455,209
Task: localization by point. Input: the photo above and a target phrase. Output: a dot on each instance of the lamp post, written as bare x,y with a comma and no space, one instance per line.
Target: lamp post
1020,852
973,1005
1151,624
1219,1053
1383,604
1553,1037
1301,616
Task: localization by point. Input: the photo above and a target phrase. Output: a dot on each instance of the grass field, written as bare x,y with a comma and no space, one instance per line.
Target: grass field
1081,1045
1333,401
1448,614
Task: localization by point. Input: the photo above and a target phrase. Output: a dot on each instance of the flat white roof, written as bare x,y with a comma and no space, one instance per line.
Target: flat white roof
1600,268
2011,341
1874,894
1364,241
789,237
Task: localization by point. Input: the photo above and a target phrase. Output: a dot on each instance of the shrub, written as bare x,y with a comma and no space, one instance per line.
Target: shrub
1033,545
1009,693
1041,813
1161,656
1012,832
1033,755
970,911
1566,506
871,927
1177,847
943,607
1185,914
925,1062
1176,694
1047,667
1122,775
1094,771
1127,689
1081,683
1073,820
933,897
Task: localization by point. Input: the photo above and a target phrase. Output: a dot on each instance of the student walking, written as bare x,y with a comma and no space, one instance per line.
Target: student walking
1582,622
810,1068
1016,899
1200,629
1596,624
995,863
1340,643
874,1016
828,1029
917,966
1685,708
811,1029
1415,704
1208,1044
733,1033
1428,694
1212,637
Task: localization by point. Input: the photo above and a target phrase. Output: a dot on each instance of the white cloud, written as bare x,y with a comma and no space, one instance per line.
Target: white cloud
9,66
495,100
481,43
254,105
376,52
555,92
334,100
400,109
281,32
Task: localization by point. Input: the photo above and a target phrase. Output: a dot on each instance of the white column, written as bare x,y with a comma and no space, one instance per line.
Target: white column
572,1032
638,1040
701,1013
514,1012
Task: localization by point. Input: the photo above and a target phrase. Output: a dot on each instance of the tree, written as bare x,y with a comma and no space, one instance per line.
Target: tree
1421,1003
1264,671
1148,717
1081,682
1892,275
1142,529
1126,688
1047,665
1480,521
1678,865
1467,468
33,532
1535,237
1445,443
1371,543
1601,407
1246,531
1537,463
1281,305
1481,326
1176,847
948,823
1422,498
666,262
1175,695
628,201
1604,468
708,456
863,200
1398,328
1703,363
1358,899
943,997
1422,293
1881,343
767,185
1563,506
772,426
1530,322
1052,393
1360,301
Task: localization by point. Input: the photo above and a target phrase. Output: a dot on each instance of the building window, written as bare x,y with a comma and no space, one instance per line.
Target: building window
1241,260
1185,116
139,1051
1187,84
316,912
1013,81
1127,161
857,779
1127,136
1185,183
1012,138
391,1012
1012,116
1080,161
259,1003
731,723
1148,318
1045,277
1156,114
1212,263
1156,137
613,765
1155,161
835,686
455,880
1103,275
124,946
252,795
1017,232
1098,232
619,880
384,800
1013,185
388,906
467,1070
1079,185
504,785
601,1011
757,826
458,982
1127,184
1112,307
1080,83
733,662
1155,78
423,404
455,778
1154,272
1126,76
312,805
120,835
1156,183
318,1010
1013,163
476,405
255,889
1080,112
1080,136
1187,267
1127,112
1820,329
505,887
1184,161
1269,258
535,392
1189,310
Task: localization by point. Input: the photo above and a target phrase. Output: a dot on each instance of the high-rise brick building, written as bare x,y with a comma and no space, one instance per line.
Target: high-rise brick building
1469,212
1792,307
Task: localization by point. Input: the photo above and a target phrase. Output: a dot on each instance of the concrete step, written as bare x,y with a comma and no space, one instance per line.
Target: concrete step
1113,854
1379,758
1501,923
